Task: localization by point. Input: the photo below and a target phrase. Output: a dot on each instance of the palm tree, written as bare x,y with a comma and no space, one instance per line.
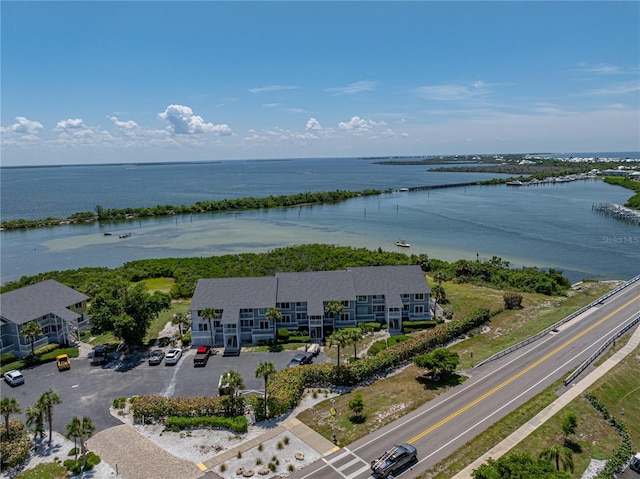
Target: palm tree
334,308
35,419
209,314
30,330
559,455
354,335
45,402
234,382
264,370
9,406
181,319
275,315
337,338
82,430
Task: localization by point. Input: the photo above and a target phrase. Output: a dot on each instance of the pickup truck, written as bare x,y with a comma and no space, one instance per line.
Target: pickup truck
202,356
393,460
63,362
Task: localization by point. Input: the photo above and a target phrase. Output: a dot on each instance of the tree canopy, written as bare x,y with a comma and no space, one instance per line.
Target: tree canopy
127,312
518,466
440,361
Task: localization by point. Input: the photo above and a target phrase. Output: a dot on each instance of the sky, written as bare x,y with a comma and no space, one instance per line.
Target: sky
119,82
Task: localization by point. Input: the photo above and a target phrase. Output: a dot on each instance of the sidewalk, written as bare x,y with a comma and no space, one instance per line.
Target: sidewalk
574,391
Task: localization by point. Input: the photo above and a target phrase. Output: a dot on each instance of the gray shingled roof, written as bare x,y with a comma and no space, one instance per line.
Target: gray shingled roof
231,294
314,288
32,302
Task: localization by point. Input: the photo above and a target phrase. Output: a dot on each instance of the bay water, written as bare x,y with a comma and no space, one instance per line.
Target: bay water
549,226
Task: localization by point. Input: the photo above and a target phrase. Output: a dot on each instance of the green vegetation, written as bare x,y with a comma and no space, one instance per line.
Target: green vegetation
634,201
46,354
127,214
51,470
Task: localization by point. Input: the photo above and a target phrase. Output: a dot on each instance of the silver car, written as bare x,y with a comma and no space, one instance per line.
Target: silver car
172,357
14,377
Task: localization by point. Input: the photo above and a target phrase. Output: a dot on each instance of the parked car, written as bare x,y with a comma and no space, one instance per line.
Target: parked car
14,377
63,361
300,359
99,354
635,462
202,356
157,355
173,356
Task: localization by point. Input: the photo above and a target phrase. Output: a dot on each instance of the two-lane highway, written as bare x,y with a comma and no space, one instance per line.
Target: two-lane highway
440,427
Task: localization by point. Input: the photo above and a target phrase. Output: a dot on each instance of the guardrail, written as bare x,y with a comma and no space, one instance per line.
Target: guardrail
564,320
600,350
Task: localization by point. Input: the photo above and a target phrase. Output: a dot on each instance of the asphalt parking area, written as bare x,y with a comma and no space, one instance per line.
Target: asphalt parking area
89,390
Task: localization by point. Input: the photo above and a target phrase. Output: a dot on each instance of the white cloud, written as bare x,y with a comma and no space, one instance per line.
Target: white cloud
272,88
24,126
182,121
70,125
452,92
313,124
127,127
358,125
352,88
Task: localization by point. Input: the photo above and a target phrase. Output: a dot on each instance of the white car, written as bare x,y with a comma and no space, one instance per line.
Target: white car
172,357
14,377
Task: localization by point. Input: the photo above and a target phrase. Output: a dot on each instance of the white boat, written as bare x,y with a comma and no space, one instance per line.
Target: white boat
402,244
514,183
404,189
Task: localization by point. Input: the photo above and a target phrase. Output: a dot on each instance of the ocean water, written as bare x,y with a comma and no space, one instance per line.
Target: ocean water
550,226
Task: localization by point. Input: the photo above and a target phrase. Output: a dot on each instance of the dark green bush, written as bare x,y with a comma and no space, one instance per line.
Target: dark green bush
7,358
283,335
411,326
47,348
237,424
376,347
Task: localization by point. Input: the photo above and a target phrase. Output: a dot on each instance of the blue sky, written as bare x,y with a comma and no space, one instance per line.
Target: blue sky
96,82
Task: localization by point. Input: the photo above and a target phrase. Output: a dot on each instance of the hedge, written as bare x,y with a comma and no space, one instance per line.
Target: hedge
411,326
236,424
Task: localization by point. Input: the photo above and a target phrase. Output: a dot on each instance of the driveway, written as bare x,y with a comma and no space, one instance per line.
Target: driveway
89,390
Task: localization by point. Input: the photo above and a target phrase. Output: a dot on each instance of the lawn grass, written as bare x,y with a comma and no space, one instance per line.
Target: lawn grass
385,401
50,470
158,324
158,284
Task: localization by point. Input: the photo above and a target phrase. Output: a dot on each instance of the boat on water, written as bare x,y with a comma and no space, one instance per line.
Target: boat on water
514,183
402,244
404,189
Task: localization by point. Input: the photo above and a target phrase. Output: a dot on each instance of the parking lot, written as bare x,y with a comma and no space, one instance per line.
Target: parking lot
89,390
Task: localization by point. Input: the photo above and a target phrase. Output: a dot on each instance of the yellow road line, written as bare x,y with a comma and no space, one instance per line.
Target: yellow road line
517,375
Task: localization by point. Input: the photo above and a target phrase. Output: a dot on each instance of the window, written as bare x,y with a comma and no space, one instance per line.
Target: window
264,324
246,313
362,299
345,317
363,310
203,327
378,308
420,296
246,323
378,296
262,311
418,309
301,305
286,318
345,304
405,307
284,305
301,316
405,296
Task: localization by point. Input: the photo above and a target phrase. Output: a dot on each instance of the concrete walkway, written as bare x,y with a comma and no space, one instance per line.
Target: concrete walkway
293,425
572,392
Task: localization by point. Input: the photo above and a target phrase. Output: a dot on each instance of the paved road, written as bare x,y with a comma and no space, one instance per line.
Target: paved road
89,390
443,425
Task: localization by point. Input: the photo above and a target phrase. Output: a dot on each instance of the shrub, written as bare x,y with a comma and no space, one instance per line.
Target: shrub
186,338
512,300
376,347
283,335
119,403
7,358
411,326
15,450
47,348
237,424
